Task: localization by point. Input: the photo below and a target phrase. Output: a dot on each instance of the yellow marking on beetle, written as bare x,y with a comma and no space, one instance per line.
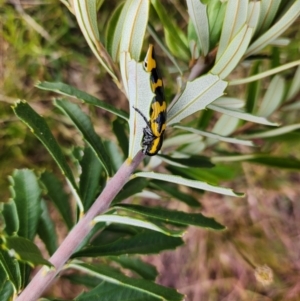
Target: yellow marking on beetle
150,61
154,131
159,83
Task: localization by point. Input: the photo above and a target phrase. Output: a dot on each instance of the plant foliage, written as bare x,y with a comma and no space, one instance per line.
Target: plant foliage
218,37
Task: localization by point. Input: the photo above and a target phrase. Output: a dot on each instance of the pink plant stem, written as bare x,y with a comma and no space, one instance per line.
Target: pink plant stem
45,276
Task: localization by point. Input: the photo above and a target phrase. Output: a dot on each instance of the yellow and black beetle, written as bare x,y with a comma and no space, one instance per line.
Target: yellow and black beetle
155,127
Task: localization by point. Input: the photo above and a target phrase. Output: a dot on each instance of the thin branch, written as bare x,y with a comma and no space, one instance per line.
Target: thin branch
45,276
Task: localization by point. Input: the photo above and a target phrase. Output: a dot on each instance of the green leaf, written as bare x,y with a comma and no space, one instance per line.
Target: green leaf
174,191
111,292
253,89
112,232
145,270
264,159
67,90
205,118
144,242
175,38
198,15
84,125
120,130
46,230
132,187
26,194
86,280
9,270
11,218
6,289
295,87
213,175
193,41
120,282
158,40
91,170
137,222
279,162
190,161
189,183
173,216
24,250
58,196
117,159
41,130
196,96
216,11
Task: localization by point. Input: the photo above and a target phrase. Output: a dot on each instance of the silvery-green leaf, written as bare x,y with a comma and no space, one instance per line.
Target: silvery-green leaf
181,139
277,29
273,97
140,96
112,31
293,106
125,220
281,42
216,136
242,115
236,158
264,74
272,133
229,102
295,86
115,45
225,126
124,61
187,182
193,148
235,18
196,96
134,28
233,53
149,195
267,13
86,15
198,15
253,14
